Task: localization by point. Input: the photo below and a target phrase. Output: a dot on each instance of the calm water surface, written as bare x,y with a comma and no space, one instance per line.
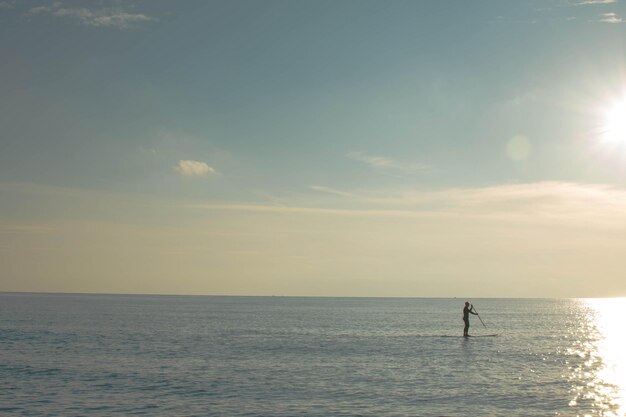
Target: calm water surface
81,355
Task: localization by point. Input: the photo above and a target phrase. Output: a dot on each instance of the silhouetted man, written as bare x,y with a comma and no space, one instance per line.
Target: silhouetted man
467,310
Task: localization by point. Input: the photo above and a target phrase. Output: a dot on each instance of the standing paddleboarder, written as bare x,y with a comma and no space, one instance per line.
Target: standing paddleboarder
467,310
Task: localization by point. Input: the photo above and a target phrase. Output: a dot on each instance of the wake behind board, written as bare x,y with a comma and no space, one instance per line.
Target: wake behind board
478,335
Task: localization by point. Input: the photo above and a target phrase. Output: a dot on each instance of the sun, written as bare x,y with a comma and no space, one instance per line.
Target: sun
614,128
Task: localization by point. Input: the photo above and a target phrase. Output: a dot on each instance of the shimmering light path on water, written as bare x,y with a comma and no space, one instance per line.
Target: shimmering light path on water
66,355
608,348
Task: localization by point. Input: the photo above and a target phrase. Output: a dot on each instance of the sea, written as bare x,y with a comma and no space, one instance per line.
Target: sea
129,355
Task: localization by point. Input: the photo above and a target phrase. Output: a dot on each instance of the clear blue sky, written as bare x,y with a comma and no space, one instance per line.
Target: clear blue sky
313,147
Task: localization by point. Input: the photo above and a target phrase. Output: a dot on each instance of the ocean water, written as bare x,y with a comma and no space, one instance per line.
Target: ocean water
97,355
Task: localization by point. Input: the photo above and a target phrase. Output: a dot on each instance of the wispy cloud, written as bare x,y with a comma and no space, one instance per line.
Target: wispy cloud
555,11
40,10
610,18
330,190
192,168
117,17
304,210
384,163
579,203
548,202
590,2
552,199
7,5
536,235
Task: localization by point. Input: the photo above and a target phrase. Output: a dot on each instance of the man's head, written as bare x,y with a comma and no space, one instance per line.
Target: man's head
467,304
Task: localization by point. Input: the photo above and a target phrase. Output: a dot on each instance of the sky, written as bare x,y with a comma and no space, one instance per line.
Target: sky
315,148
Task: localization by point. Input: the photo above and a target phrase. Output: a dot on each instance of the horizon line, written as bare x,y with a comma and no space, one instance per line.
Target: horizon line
60,293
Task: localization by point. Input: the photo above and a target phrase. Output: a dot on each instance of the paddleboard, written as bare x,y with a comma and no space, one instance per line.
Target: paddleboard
478,335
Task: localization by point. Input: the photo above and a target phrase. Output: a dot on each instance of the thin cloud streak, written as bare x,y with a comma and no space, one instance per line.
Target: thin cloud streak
329,190
596,204
304,210
591,2
542,198
577,203
467,197
384,163
106,17
611,18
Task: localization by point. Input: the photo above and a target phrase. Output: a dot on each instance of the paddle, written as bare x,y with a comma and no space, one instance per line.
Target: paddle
481,320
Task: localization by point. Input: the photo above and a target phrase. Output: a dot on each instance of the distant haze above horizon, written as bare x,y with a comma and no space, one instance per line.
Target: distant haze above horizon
314,148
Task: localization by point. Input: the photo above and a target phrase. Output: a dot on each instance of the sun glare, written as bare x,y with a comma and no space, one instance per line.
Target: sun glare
614,129
611,347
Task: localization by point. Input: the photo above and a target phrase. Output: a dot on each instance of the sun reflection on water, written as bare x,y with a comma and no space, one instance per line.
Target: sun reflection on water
609,380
